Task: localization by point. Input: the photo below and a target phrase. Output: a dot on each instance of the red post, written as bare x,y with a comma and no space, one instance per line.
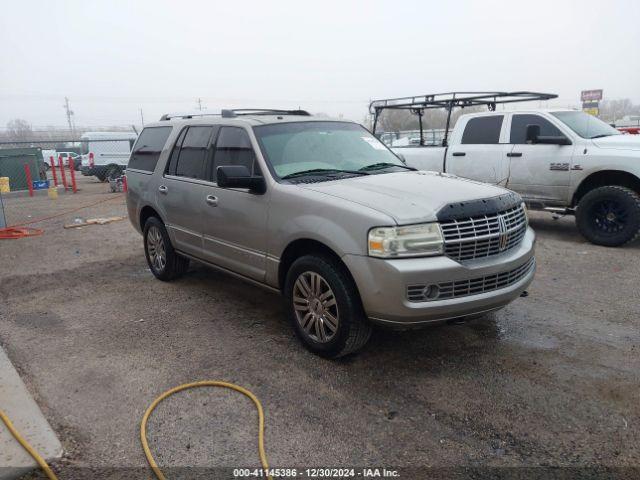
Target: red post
64,177
27,171
124,183
72,171
53,170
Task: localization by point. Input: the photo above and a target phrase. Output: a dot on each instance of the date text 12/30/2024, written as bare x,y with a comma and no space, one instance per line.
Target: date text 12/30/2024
315,473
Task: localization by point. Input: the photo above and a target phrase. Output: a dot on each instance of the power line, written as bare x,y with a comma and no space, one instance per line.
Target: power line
69,113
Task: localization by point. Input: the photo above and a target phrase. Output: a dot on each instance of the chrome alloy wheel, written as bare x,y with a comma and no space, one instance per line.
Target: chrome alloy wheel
156,249
315,307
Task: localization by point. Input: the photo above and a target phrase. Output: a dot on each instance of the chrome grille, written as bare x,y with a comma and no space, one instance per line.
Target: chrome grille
484,235
474,286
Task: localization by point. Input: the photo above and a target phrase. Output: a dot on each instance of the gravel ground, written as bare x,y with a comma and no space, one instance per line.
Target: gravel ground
553,380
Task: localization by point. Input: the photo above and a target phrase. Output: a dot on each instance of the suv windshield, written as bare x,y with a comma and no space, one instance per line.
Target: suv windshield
318,148
585,125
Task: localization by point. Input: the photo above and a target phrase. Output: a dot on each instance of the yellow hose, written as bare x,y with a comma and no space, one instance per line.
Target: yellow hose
143,427
36,456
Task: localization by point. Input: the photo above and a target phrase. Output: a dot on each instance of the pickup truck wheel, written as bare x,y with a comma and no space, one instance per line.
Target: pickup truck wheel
324,307
609,216
164,262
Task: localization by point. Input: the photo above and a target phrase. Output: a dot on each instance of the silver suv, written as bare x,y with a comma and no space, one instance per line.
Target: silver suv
326,214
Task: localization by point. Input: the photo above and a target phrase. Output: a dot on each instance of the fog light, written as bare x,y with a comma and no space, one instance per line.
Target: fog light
431,292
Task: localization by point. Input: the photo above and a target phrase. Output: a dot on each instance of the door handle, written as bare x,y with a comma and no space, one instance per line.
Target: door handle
163,189
514,154
458,154
212,200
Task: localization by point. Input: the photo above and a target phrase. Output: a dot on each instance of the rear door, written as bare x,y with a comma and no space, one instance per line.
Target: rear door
540,173
234,220
182,190
478,152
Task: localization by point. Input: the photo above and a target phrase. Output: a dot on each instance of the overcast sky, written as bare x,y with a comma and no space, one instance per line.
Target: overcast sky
114,58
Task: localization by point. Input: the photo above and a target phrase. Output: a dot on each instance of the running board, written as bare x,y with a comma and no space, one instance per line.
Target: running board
561,210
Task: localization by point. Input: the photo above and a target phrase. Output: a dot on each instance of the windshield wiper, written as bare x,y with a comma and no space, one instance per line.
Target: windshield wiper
322,171
602,135
381,165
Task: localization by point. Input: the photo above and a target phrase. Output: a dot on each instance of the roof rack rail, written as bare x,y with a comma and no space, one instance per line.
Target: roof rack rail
262,111
231,113
450,100
169,116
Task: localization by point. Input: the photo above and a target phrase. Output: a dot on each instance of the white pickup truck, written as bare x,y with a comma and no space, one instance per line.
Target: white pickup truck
564,161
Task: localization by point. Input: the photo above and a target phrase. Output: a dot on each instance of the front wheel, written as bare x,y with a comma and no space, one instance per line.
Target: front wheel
164,262
324,307
609,216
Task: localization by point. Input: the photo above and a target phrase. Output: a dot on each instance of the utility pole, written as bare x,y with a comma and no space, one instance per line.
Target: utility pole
141,117
199,102
69,113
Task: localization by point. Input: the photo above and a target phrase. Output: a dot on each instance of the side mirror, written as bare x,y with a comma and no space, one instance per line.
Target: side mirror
533,136
533,132
239,176
553,140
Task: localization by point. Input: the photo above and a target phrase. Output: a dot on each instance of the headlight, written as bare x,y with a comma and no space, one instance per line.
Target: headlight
408,241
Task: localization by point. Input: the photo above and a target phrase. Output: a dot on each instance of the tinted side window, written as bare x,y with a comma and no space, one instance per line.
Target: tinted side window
483,130
148,147
519,127
233,148
193,153
173,160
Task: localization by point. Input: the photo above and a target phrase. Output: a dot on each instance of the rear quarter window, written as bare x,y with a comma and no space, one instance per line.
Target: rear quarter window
147,149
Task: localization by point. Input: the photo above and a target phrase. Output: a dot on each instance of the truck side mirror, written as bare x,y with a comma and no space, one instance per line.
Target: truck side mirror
533,132
534,137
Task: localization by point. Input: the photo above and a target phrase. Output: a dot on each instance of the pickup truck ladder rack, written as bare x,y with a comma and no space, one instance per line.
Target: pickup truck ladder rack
418,104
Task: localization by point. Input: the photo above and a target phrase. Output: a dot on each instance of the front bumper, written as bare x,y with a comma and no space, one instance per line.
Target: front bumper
383,284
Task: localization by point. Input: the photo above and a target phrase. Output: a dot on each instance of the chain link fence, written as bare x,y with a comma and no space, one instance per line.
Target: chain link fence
44,179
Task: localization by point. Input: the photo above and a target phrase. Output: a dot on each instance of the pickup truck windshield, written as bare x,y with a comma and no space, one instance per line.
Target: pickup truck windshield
585,125
316,147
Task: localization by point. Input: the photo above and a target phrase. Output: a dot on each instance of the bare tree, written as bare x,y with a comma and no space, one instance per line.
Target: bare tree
612,110
18,130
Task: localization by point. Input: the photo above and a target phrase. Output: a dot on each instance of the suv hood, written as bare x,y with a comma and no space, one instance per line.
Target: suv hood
620,142
407,197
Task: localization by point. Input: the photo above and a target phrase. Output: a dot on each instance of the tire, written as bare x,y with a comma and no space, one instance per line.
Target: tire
164,262
112,171
336,324
609,216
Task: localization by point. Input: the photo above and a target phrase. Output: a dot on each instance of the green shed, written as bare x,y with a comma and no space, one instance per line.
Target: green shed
12,162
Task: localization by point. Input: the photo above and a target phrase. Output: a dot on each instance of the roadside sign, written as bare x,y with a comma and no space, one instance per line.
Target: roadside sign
586,105
591,95
592,111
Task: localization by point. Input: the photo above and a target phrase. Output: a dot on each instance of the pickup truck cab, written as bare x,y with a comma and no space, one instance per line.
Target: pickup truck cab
326,214
564,161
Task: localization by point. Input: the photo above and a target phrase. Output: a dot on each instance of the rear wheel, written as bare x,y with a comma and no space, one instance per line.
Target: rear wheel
112,171
164,262
324,307
609,216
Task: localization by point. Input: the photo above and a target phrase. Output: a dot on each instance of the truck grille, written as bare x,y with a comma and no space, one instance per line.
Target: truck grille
474,286
484,235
